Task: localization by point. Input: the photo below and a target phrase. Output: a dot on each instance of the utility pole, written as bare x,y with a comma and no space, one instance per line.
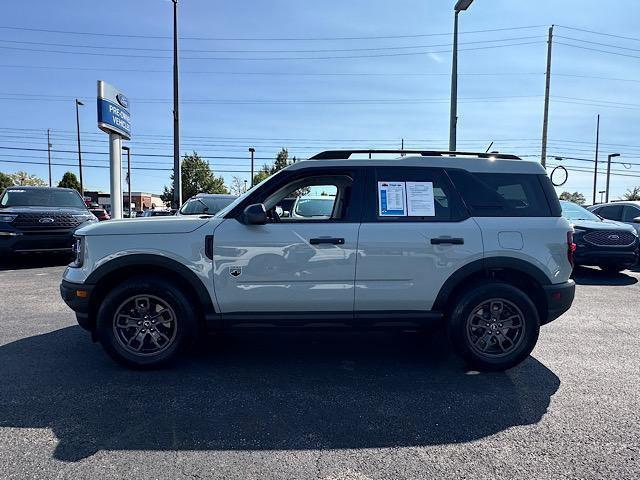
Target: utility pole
49,153
177,169
128,150
402,147
606,196
252,151
460,6
78,104
545,121
595,168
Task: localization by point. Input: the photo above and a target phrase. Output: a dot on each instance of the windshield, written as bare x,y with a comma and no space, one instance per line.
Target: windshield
572,211
314,207
239,200
41,197
196,206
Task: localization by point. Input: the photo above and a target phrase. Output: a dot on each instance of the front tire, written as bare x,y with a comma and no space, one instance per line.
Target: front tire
494,326
145,322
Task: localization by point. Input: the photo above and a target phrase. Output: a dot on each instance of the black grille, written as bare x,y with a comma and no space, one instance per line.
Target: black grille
34,221
608,238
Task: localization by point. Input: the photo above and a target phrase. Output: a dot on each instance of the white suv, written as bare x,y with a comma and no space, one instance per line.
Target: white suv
472,241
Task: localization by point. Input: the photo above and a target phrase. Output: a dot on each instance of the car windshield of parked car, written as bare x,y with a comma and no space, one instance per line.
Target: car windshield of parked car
314,207
212,205
572,211
41,197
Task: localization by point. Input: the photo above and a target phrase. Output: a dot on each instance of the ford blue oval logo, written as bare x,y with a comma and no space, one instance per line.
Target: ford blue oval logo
122,100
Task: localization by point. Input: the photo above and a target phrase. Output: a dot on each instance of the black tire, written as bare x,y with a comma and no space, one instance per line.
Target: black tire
613,268
160,293
466,313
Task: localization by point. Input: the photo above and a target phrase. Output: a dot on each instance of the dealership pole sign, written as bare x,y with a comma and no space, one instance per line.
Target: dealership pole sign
113,111
114,119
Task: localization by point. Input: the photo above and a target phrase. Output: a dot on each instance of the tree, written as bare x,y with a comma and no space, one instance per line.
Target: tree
5,181
238,187
69,180
632,194
24,179
575,197
197,177
281,161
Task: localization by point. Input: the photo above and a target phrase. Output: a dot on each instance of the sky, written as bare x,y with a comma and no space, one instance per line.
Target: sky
310,76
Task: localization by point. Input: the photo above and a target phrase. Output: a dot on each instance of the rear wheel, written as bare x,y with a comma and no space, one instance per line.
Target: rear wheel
145,322
494,326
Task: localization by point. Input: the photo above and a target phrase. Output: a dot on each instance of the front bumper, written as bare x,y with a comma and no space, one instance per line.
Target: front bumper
606,257
559,298
77,296
15,241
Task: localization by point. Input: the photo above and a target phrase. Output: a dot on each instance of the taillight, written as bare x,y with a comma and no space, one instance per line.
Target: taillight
571,247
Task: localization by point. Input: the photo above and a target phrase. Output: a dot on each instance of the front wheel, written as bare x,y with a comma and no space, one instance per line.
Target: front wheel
494,326
145,322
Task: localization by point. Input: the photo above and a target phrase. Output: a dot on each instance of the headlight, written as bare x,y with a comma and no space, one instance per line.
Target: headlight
7,218
78,252
84,217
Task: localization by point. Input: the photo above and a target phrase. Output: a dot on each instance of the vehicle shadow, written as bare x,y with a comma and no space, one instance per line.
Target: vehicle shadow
40,260
595,276
264,392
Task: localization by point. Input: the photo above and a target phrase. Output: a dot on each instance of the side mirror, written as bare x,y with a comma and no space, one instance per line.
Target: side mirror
636,220
255,214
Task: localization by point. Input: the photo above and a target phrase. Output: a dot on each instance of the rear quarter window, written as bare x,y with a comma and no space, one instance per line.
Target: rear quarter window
506,194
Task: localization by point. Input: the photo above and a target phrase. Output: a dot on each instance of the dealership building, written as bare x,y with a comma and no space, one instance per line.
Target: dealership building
139,200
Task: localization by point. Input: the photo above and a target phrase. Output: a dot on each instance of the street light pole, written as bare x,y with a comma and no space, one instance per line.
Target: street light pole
177,169
78,104
128,150
49,153
460,6
252,151
547,86
606,197
595,167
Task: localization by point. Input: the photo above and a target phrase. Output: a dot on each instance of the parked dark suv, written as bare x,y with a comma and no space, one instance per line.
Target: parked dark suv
40,219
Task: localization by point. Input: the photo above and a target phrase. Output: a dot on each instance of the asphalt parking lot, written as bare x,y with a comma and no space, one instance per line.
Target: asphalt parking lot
319,406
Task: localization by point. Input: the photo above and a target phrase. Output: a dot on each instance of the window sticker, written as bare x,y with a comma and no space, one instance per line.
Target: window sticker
391,199
420,202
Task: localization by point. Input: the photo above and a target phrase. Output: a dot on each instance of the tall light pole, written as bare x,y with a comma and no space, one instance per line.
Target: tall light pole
49,154
606,196
252,151
78,104
177,170
595,167
460,6
128,150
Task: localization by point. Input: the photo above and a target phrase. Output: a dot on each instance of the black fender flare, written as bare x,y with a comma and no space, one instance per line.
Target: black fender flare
141,259
484,266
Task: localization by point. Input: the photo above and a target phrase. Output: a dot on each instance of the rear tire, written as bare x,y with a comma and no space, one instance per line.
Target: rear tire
494,326
145,322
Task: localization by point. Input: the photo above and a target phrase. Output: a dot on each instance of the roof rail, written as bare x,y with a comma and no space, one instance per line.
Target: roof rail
345,154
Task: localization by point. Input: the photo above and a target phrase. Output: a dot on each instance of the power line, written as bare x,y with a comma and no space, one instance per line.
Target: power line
324,50
597,50
328,57
280,39
636,39
598,43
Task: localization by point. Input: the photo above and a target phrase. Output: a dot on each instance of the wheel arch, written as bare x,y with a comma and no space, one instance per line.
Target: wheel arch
516,272
121,268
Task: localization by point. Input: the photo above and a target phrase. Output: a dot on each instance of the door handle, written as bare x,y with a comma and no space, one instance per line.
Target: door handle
330,240
447,240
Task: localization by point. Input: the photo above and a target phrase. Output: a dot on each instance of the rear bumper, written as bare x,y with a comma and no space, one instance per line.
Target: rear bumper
559,299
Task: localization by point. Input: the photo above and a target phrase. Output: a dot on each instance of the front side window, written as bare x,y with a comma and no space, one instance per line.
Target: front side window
611,212
314,198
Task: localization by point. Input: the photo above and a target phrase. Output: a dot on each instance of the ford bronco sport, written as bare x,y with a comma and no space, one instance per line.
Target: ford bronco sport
475,242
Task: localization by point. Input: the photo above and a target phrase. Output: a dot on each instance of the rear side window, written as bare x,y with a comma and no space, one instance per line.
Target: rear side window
447,206
611,212
629,213
504,194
